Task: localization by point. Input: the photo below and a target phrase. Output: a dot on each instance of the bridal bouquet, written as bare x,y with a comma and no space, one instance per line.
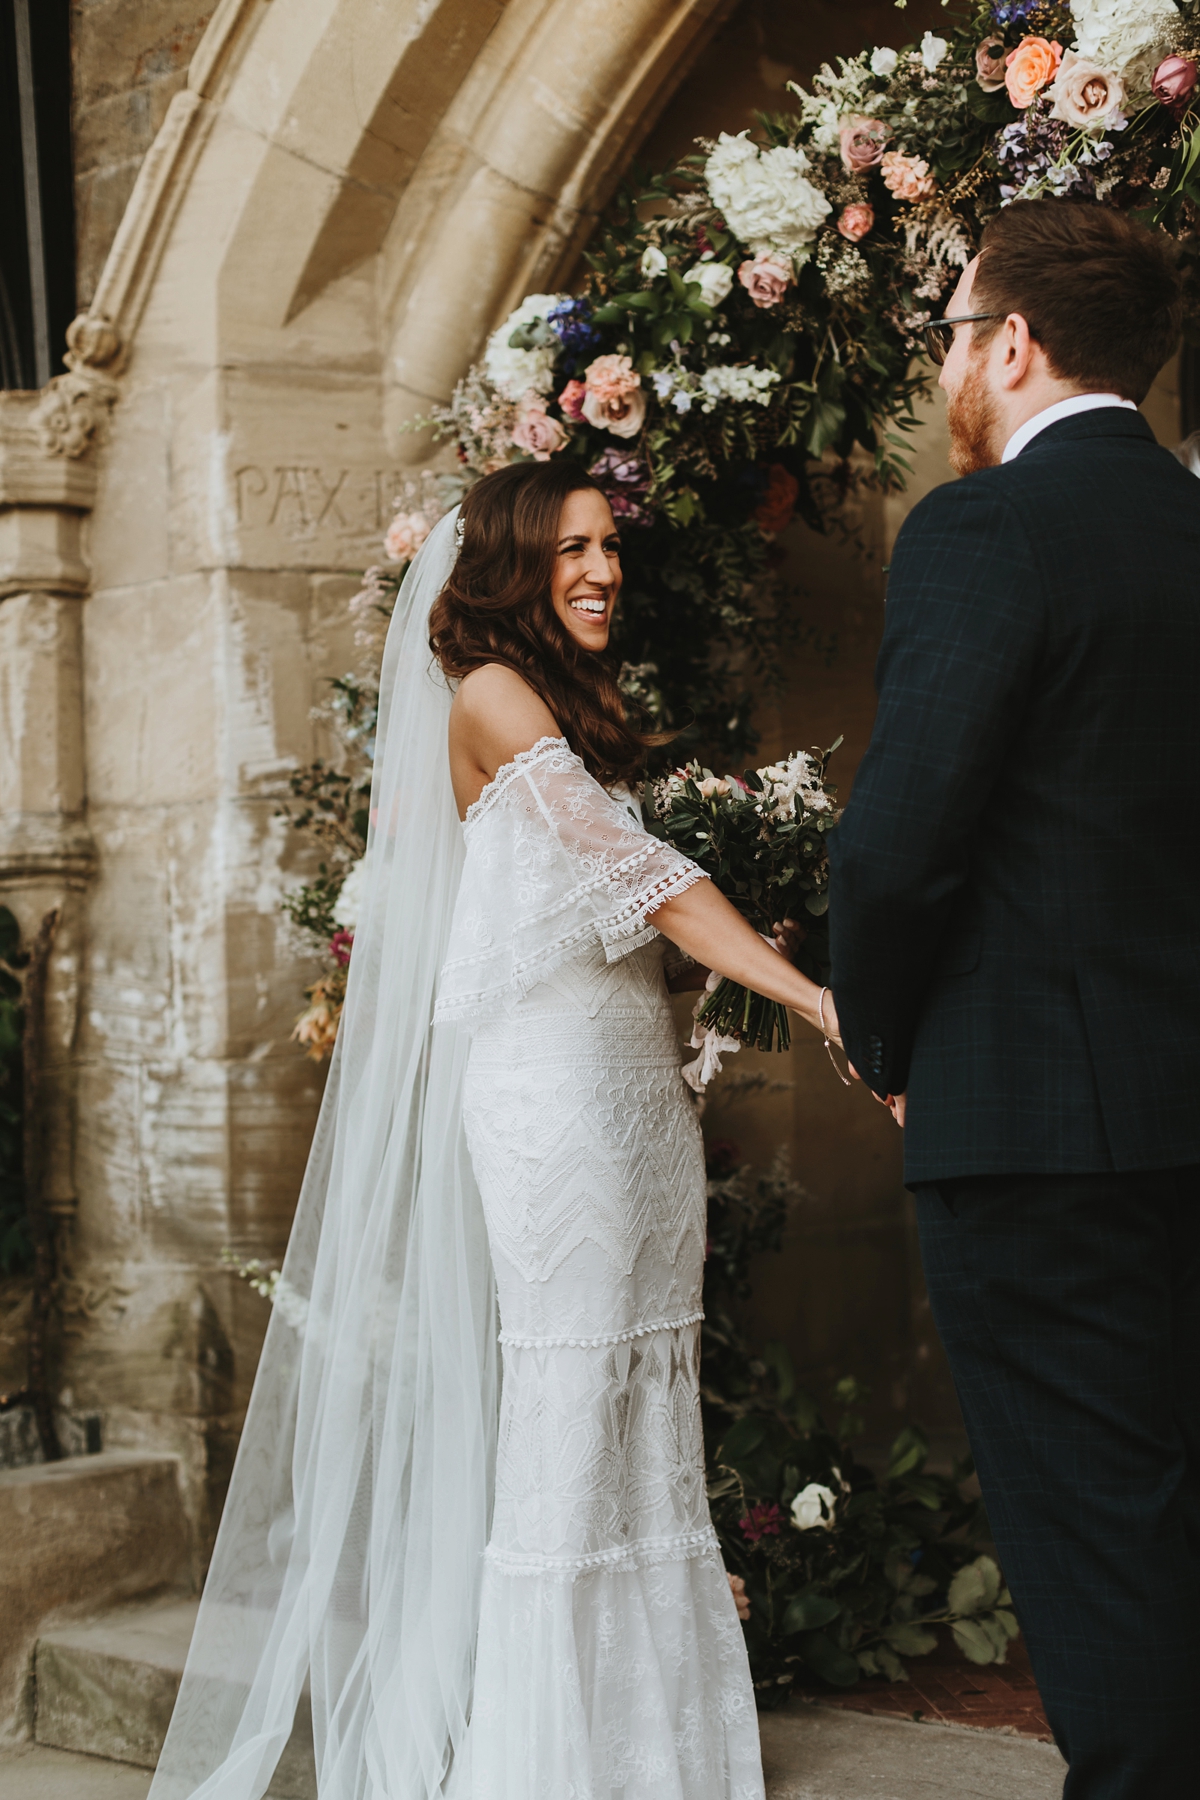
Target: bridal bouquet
761,838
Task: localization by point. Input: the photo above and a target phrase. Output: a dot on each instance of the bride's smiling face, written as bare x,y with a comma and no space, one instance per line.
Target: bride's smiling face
587,568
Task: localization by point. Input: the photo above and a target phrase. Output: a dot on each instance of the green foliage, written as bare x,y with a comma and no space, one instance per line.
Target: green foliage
16,1251
891,1559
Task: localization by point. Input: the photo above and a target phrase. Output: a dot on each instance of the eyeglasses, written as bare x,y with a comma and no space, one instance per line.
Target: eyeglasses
939,333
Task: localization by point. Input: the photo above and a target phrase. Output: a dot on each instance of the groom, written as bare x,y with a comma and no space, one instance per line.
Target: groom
1016,963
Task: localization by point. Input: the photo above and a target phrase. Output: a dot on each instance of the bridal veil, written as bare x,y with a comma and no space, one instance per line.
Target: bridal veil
349,1557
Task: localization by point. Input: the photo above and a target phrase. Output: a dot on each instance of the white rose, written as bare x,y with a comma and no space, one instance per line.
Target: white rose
933,50
883,61
715,278
519,372
348,904
653,262
813,1508
712,784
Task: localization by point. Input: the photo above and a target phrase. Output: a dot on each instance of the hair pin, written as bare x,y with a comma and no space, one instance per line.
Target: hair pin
458,532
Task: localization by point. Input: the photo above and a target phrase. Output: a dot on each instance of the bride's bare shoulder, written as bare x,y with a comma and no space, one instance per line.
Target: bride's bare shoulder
494,717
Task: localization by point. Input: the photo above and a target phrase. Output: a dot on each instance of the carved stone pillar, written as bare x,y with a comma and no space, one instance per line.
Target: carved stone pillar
47,486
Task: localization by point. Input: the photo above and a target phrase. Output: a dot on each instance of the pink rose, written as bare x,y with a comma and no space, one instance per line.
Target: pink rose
614,401
536,431
862,142
405,535
1082,91
907,176
1175,82
623,415
989,64
611,377
1031,65
766,278
856,220
571,399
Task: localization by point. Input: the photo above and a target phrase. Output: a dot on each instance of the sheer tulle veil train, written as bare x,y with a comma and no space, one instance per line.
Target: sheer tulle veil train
349,1556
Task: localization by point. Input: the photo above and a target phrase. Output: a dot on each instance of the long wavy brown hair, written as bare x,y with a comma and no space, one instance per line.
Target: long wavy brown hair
496,608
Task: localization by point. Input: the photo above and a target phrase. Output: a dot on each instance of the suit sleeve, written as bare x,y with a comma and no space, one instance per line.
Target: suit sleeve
962,636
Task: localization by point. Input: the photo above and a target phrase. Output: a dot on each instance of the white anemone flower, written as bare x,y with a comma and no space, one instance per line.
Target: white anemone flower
812,1509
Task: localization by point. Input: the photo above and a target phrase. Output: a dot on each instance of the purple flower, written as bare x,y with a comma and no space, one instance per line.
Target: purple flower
625,480
1007,12
762,1521
571,323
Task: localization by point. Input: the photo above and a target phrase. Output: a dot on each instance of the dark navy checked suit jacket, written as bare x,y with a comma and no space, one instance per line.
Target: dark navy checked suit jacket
1015,893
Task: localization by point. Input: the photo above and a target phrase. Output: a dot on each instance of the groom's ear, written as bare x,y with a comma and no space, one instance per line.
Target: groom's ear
1018,351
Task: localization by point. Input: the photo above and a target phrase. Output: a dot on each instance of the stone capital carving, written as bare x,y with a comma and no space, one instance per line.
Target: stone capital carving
73,406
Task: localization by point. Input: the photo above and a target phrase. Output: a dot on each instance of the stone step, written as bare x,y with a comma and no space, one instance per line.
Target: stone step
108,1687
105,1688
76,1536
811,1753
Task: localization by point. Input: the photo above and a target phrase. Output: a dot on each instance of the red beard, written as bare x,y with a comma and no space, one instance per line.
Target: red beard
972,418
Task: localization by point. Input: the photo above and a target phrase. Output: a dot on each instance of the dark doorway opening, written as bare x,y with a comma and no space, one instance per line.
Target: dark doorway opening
37,212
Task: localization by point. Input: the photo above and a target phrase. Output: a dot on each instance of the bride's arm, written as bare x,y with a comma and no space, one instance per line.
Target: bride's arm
702,922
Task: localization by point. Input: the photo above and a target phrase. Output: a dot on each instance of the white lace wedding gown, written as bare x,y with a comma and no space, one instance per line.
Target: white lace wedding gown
610,1661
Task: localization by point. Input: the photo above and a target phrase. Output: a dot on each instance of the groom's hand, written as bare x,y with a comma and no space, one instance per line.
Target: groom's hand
788,934
895,1103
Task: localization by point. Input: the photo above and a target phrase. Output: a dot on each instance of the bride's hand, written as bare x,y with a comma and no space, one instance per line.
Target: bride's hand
788,935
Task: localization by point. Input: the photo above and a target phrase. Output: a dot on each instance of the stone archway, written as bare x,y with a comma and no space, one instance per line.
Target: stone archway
338,206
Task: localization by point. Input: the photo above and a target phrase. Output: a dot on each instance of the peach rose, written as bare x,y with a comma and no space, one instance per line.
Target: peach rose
1083,92
1030,66
614,401
611,377
862,142
571,399
536,431
766,278
907,176
989,64
855,220
405,535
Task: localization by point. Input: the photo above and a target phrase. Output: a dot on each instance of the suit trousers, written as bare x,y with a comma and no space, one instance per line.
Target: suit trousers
1069,1308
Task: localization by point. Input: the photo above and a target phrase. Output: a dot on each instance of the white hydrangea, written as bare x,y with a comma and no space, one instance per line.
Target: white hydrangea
715,278
1125,36
764,195
883,61
783,782
516,372
736,381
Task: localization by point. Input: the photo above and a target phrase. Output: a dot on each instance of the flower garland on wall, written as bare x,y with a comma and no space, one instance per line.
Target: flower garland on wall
743,346
749,321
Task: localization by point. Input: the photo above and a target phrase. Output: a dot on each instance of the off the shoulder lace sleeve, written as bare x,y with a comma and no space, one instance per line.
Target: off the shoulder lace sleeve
553,862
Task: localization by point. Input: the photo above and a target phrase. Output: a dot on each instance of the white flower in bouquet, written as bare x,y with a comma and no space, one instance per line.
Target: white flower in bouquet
783,782
348,904
812,1509
715,278
736,381
933,51
765,196
883,61
517,372
1123,35
653,263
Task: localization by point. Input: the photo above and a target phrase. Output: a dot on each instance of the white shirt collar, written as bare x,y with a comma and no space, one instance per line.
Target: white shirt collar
1050,415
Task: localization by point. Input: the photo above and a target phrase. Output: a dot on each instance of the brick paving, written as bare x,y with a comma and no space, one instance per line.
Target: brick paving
946,1689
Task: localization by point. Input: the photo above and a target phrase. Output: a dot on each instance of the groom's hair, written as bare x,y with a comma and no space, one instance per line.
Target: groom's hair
1101,294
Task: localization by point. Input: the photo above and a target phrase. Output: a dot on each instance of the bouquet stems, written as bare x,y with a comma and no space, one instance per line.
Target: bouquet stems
738,1012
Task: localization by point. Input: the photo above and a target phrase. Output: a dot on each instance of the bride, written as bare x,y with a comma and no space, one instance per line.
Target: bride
492,1591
